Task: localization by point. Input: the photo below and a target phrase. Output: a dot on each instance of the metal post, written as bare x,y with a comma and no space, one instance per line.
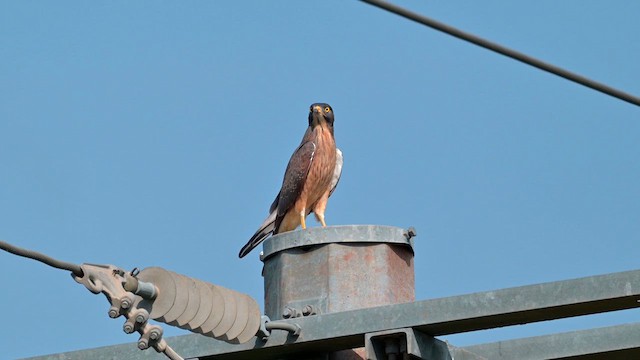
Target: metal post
334,269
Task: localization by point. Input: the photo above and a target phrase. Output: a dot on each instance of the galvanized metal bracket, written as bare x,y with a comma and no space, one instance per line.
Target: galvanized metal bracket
405,344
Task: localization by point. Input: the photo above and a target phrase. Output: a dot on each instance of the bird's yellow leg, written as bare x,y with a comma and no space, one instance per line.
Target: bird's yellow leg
319,208
302,220
321,219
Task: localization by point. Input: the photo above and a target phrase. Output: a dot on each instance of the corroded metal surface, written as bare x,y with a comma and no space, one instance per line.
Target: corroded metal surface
373,267
333,269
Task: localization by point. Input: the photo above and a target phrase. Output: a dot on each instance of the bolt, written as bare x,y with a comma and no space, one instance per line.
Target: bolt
154,334
125,304
113,313
140,319
287,313
411,233
143,344
128,328
290,313
308,310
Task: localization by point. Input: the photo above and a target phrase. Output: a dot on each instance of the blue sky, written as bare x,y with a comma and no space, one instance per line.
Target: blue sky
157,133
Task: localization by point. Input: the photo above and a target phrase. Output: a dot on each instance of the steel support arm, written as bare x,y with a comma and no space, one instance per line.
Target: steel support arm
611,343
456,314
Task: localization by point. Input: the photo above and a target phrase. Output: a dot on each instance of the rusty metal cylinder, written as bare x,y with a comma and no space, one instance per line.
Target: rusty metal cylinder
337,268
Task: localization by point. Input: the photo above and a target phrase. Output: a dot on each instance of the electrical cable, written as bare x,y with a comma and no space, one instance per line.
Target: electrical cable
78,272
74,268
505,51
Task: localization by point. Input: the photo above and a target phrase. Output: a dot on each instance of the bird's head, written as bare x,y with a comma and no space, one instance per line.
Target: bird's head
319,114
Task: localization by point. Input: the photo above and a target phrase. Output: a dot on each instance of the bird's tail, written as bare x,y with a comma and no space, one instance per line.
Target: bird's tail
267,227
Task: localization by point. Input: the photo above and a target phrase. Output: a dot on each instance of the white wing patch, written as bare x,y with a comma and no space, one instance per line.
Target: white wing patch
337,171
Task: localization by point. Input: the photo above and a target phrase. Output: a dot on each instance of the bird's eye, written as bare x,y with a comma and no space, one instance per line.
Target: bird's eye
327,109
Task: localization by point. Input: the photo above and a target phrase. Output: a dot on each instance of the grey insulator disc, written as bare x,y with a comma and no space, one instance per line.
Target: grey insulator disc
229,314
204,309
193,304
216,313
181,301
253,322
166,296
242,315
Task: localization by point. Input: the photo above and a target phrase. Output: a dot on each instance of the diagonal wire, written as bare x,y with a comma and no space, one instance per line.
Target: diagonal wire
505,51
74,268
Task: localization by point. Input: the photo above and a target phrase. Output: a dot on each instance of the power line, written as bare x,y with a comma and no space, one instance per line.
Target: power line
505,51
74,268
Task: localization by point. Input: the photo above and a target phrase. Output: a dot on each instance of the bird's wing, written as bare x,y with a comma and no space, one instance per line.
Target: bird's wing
294,178
337,172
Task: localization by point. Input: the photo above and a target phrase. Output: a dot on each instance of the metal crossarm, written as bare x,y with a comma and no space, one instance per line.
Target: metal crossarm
614,342
449,315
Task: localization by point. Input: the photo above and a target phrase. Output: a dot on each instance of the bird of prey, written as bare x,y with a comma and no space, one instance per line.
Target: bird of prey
311,177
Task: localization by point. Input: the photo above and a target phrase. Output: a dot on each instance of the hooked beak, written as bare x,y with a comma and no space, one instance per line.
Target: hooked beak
316,116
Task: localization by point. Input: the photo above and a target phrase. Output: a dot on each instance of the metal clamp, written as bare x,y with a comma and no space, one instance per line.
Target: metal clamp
124,292
266,325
